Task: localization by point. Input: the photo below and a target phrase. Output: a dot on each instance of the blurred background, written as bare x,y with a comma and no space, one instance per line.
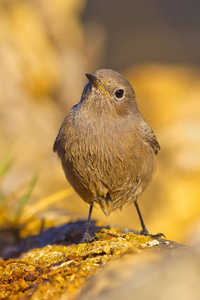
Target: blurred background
46,47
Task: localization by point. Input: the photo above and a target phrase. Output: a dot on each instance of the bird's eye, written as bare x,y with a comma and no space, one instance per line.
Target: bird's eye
119,94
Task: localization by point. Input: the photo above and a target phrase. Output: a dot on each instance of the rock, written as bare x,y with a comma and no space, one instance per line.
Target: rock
167,275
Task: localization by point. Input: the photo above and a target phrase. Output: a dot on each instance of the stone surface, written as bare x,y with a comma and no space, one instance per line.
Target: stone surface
56,265
167,275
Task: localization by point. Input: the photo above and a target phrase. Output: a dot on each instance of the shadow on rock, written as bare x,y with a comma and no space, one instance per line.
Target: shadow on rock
70,233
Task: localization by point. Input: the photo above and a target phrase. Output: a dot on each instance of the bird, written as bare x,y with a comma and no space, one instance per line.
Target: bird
106,147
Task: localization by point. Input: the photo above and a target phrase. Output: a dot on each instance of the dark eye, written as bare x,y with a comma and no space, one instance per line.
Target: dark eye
119,93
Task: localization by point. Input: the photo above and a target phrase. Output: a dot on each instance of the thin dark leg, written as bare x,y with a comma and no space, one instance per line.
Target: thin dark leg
87,237
144,230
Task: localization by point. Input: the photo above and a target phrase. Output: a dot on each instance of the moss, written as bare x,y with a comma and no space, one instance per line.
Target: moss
49,272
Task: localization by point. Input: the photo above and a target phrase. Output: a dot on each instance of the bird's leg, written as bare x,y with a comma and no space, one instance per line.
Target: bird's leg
87,238
144,229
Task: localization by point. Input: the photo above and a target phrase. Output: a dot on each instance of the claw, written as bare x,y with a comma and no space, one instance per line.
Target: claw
158,235
87,238
154,236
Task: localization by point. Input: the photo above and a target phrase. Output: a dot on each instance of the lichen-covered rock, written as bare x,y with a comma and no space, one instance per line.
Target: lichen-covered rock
152,275
55,270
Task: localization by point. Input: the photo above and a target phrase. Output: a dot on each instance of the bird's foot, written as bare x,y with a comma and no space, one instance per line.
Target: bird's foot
87,238
153,236
158,235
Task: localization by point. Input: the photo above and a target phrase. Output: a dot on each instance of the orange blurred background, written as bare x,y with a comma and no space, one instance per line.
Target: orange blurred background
47,46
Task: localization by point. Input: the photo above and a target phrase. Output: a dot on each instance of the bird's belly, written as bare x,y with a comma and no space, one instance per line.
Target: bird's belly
108,173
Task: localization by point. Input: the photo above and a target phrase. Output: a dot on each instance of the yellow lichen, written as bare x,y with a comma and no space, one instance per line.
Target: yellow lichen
48,272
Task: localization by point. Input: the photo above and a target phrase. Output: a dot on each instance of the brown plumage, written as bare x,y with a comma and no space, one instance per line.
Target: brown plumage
106,147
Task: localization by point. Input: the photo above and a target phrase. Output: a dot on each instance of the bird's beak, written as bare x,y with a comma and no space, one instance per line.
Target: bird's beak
95,81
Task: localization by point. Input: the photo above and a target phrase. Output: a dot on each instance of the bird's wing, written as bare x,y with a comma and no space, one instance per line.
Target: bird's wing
149,136
56,143
63,131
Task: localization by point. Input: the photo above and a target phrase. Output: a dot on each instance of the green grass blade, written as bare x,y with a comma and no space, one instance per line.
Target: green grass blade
7,160
26,197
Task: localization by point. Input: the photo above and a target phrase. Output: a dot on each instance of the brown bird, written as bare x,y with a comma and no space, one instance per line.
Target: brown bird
106,147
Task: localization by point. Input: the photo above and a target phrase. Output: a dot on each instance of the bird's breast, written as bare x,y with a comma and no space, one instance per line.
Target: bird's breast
106,150
104,160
